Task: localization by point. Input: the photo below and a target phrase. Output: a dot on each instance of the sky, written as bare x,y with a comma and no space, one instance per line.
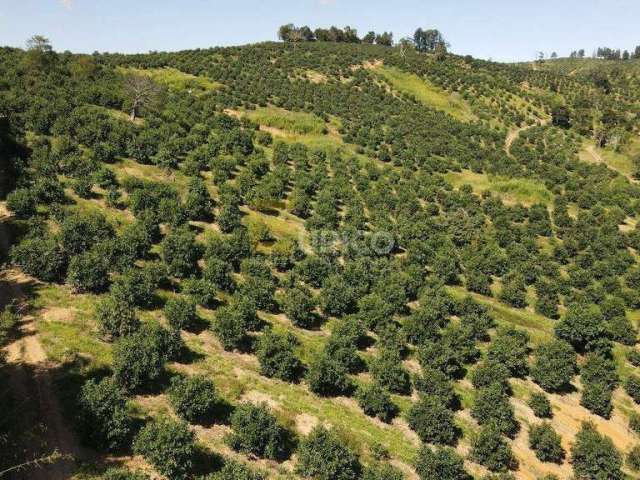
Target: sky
502,30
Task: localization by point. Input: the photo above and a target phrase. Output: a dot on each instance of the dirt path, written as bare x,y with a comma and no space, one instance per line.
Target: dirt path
30,379
514,134
597,158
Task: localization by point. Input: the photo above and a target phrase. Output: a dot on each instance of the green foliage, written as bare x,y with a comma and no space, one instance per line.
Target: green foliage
256,431
539,403
323,456
233,470
510,348
375,401
22,202
489,449
194,398
276,355
633,458
554,366
546,443
299,305
43,258
492,406
382,471
116,318
434,383
180,313
594,456
583,326
596,397
327,377
180,252
440,464
433,421
169,446
88,272
632,387
387,370
102,415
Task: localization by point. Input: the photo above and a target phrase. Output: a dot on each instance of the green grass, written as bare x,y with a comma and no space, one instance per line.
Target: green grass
516,190
426,93
620,162
174,79
292,122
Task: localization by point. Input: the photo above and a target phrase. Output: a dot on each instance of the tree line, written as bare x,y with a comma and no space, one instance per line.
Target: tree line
609,53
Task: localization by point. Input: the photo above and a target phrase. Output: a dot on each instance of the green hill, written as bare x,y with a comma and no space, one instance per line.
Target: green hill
401,247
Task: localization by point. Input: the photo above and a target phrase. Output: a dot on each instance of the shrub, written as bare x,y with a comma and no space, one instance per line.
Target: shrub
194,398
198,203
256,431
490,450
596,397
230,328
200,291
440,464
554,366
633,458
599,369
375,401
337,298
218,273
180,252
584,327
123,474
327,377
88,272
298,304
387,370
634,422
43,258
276,356
137,286
492,406
116,318
22,202
633,356
180,313
169,446
546,443
435,383
233,470
632,387
539,403
491,373
322,456
594,456
102,415
510,348
138,360
433,422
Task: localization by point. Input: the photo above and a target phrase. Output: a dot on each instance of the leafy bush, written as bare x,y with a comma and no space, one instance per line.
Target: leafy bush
180,252
180,313
382,471
596,397
322,456
554,366
440,464
510,348
387,370
22,202
256,431
375,401
102,415
138,359
193,398
169,446
327,378
233,470
276,356
632,387
298,304
433,382
490,450
492,406
594,456
633,458
433,422
43,258
539,403
116,318
88,272
546,443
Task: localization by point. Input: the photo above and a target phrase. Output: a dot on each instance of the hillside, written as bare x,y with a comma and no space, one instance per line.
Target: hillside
318,260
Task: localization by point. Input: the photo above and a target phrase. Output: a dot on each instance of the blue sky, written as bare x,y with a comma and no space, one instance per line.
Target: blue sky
499,29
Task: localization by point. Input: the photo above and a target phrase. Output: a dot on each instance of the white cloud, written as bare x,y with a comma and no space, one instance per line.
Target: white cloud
327,2
67,4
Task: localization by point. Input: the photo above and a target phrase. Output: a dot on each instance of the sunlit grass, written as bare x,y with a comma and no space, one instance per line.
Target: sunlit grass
174,79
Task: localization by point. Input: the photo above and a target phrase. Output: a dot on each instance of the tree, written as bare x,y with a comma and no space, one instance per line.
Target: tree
233,470
594,456
435,383
22,202
632,387
43,258
276,355
180,313
256,431
382,471
387,370
492,406
584,327
511,349
180,252
596,397
323,456
327,377
138,360
40,54
433,422
194,398
633,458
337,298
546,443
491,373
375,401
369,38
561,116
539,403
428,40
554,366
198,203
299,305
490,450
385,38
440,464
102,415
116,318
169,446
88,272
141,91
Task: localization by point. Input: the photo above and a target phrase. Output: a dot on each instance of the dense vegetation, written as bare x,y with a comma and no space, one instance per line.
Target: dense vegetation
254,231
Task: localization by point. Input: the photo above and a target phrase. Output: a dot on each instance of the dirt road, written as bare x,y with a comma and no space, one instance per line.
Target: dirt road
31,382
